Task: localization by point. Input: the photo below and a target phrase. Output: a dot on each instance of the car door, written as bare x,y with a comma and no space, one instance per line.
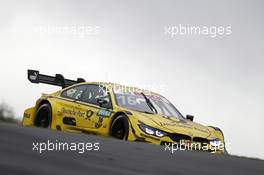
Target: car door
96,115
67,112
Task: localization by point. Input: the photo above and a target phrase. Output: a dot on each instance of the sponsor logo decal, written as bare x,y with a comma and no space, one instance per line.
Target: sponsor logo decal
176,125
73,112
34,76
104,113
89,114
100,122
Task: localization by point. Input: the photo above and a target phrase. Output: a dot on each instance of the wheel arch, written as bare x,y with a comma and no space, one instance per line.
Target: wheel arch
29,116
43,101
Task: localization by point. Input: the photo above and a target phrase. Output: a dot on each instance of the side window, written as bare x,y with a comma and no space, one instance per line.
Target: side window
93,93
75,92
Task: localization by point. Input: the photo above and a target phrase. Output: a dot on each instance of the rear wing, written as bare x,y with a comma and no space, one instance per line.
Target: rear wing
58,80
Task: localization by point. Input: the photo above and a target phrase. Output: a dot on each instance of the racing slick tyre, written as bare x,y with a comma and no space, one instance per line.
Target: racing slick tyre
43,116
120,128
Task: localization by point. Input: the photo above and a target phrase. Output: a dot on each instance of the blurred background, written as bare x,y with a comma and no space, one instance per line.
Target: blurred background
218,79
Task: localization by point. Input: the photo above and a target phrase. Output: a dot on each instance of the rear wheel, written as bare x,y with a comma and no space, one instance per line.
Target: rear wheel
44,116
120,128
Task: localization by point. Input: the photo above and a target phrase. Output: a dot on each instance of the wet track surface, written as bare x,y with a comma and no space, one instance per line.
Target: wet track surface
113,157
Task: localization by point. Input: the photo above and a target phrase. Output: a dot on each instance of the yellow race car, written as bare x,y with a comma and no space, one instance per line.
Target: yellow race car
122,112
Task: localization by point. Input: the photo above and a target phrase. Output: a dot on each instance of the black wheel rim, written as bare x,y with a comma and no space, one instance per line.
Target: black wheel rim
43,119
118,130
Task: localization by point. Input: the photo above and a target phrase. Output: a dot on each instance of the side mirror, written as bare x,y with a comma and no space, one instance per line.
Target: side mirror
189,117
102,101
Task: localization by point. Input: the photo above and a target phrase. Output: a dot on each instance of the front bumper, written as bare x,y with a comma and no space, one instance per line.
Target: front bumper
181,141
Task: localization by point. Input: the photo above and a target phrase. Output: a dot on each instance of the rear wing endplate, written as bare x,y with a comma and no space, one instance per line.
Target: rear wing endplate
58,80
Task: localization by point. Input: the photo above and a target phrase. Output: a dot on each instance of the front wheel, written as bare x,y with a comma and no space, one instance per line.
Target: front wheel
120,128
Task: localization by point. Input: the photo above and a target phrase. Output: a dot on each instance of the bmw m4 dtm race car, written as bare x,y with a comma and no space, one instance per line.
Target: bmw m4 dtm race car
126,113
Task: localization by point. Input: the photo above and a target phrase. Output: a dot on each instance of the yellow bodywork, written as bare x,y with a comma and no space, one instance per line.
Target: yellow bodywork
88,120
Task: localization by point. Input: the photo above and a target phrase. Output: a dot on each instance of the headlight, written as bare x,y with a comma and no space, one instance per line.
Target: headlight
215,143
159,133
151,131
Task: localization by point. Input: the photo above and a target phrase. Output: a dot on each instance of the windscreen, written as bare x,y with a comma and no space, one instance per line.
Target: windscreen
137,102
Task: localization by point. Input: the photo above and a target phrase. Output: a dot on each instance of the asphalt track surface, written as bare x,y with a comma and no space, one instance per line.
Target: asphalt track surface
114,157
